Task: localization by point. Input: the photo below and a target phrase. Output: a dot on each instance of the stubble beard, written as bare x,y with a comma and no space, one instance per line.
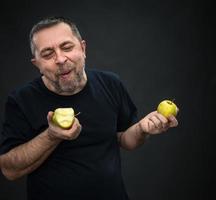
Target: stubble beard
71,85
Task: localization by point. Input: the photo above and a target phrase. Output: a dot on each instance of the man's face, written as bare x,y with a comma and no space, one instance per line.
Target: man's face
60,57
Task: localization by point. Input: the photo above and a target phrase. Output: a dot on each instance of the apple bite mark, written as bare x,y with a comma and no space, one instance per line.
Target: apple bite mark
64,117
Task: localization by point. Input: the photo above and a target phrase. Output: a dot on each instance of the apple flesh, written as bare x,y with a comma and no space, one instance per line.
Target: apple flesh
63,117
167,108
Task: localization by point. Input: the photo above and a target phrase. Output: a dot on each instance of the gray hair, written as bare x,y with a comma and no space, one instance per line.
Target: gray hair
49,22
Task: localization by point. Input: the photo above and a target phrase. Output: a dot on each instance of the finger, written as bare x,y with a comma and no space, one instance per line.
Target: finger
163,120
49,116
152,114
151,126
74,125
177,110
74,130
173,121
77,132
74,134
156,121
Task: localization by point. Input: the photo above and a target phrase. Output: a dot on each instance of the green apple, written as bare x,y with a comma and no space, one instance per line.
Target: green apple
63,117
167,108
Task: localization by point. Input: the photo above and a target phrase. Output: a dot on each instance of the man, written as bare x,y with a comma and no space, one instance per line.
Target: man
83,161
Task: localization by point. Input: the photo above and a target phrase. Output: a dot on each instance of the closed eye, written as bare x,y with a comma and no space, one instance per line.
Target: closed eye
67,48
48,55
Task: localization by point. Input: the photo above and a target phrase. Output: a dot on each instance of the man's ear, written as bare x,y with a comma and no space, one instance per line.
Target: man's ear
83,45
33,61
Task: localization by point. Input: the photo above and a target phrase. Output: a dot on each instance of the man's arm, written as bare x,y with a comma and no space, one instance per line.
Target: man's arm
153,123
27,157
132,138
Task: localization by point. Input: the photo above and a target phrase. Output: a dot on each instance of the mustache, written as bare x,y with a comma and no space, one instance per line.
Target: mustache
65,68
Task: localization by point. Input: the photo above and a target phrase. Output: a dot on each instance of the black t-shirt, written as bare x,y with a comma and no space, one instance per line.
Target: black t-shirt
88,167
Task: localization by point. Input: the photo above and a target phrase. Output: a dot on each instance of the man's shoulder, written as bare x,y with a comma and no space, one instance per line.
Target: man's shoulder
25,88
104,74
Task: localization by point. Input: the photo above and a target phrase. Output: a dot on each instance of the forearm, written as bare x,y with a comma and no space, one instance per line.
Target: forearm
27,157
133,137
13,174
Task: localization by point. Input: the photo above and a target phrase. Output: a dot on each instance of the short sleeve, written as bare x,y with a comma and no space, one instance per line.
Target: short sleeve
127,115
15,127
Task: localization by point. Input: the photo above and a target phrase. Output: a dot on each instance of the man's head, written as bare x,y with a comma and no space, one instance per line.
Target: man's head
49,22
59,53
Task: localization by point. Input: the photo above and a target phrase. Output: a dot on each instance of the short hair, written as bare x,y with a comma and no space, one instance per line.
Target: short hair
49,22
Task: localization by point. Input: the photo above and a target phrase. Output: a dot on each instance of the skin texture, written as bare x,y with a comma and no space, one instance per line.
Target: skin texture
152,124
60,57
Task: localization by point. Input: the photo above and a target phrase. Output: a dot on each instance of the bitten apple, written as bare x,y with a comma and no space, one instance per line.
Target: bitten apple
167,108
63,117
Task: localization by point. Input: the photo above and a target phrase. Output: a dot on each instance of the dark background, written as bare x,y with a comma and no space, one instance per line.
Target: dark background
159,49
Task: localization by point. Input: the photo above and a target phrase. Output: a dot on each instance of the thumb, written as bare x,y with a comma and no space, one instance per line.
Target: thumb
49,116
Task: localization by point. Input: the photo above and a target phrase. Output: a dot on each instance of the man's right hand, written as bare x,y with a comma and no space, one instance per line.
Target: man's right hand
55,132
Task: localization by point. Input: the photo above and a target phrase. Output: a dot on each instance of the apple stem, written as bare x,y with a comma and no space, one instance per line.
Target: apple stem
77,114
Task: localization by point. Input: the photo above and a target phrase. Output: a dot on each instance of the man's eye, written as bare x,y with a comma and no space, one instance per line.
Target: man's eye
67,48
47,55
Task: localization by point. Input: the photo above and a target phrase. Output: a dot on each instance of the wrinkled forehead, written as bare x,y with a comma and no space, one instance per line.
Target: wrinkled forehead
53,36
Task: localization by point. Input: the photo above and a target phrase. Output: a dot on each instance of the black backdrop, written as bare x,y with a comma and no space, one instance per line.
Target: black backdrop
159,49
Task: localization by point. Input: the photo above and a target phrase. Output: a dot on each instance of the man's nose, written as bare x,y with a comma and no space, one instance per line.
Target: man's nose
60,58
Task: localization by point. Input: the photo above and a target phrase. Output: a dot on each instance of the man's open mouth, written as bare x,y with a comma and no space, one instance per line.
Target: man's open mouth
65,75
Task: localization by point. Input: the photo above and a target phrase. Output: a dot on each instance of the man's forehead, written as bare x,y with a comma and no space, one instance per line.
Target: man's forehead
58,29
55,35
